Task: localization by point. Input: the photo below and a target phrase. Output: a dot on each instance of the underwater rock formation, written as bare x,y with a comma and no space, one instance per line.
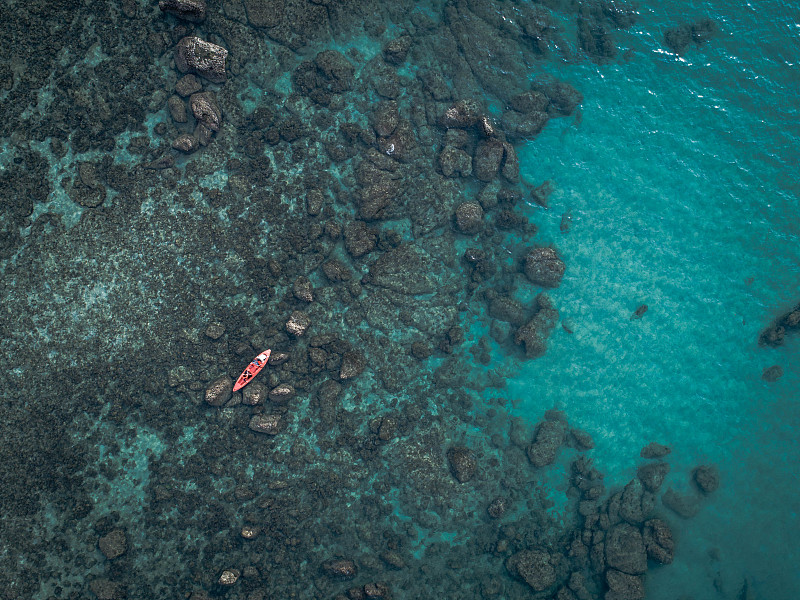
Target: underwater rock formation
543,267
774,334
198,57
193,11
679,38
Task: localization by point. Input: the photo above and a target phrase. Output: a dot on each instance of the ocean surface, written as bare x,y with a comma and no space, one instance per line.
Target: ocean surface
674,185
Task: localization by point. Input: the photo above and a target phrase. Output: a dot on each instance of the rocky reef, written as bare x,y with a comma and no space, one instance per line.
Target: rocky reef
209,180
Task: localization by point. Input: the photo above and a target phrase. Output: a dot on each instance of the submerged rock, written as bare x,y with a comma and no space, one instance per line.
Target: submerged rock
624,586
625,550
533,335
655,450
543,267
206,109
534,568
353,364
549,436
462,463
652,475
268,424
298,323
469,217
772,374
340,568
658,541
114,544
684,506
193,11
193,55
254,394
219,391
706,478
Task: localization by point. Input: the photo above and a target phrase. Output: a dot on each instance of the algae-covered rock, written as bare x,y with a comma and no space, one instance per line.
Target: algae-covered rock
196,56
219,391
462,462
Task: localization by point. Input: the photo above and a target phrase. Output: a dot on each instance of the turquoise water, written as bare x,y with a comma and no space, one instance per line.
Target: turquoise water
680,182
677,173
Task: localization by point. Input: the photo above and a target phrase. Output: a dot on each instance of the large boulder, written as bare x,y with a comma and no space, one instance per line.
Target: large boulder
652,475
658,541
534,568
219,391
462,463
706,478
625,549
533,335
469,217
193,11
549,436
196,56
543,267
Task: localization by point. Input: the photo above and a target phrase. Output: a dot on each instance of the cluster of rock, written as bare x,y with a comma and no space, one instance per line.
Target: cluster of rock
775,333
596,20
678,39
198,60
608,554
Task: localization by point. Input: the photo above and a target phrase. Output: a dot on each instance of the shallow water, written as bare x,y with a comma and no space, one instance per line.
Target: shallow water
677,174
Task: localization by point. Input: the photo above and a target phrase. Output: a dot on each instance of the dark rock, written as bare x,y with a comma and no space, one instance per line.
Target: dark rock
658,541
519,126
623,586
278,358
105,589
193,11
359,239
254,394
193,55
487,159
187,85
336,271
543,267
533,335
547,440
463,464
652,475
462,115
186,143
510,169
655,450
114,544
203,134
396,50
265,13
508,310
215,330
268,424
377,590
455,162
281,394
706,478
635,503
393,559
774,334
534,568
580,440
328,74
329,392
385,118
469,217
340,568
302,289
563,97
298,323
353,364
772,374
679,38
625,549
498,507
219,391
683,506
639,312
529,102
177,109
206,109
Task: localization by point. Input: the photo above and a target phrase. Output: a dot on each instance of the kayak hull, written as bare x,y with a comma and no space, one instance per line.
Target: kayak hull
253,369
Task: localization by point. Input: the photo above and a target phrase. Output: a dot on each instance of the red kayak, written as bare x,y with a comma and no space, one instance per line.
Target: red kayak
253,369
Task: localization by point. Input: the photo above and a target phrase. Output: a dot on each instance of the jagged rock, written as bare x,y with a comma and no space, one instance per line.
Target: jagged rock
655,450
462,463
302,289
187,85
652,475
706,478
186,143
359,239
533,567
353,364
658,541
336,271
193,55
463,114
487,159
281,394
625,549
219,391
396,50
114,544
268,424
206,109
498,507
544,267
533,335
469,217
623,586
254,394
636,504
340,568
193,11
549,437
298,323
455,162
